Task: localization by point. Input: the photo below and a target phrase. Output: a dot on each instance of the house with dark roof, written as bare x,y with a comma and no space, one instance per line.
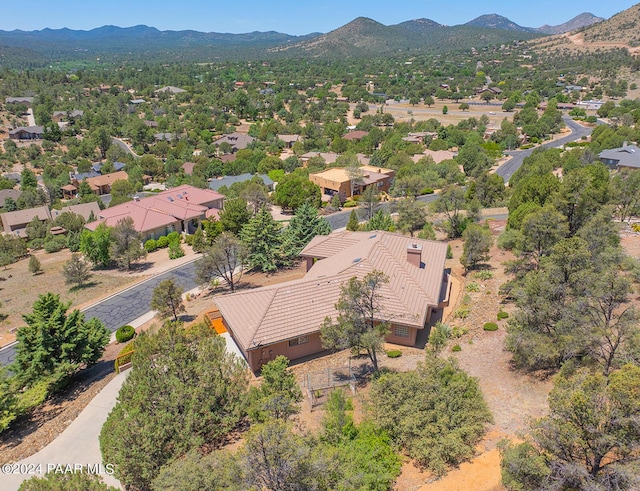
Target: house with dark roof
179,209
27,101
169,89
285,319
289,140
15,222
227,181
26,133
85,210
60,116
624,156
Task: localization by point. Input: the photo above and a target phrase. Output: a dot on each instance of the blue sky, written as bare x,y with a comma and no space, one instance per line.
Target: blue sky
288,16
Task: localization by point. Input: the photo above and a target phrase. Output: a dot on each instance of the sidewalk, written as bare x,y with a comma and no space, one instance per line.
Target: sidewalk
77,445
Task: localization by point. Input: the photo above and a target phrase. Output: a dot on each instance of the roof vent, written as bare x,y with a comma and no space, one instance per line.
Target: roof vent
170,198
179,196
357,260
373,236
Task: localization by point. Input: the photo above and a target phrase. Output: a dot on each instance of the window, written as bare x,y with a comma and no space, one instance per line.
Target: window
298,341
401,331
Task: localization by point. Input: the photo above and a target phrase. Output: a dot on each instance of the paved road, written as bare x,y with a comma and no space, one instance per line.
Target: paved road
124,146
509,168
122,308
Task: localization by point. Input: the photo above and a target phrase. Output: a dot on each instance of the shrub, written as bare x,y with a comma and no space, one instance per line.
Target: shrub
473,287
394,353
175,251
502,315
150,245
462,312
449,252
162,242
424,191
189,239
350,204
455,348
54,244
636,227
125,333
457,332
490,326
174,236
36,244
483,275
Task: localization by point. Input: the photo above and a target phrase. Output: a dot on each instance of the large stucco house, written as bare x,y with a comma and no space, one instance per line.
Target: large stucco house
285,319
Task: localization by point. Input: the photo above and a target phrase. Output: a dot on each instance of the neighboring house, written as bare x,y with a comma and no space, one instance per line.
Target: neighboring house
330,157
27,133
229,180
60,116
437,155
289,140
285,319
137,101
169,89
97,167
179,209
150,124
419,136
337,180
492,90
590,105
15,222
27,101
85,210
238,141
101,184
187,167
164,137
14,194
355,135
625,156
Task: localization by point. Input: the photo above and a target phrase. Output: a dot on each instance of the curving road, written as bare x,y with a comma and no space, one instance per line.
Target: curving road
507,169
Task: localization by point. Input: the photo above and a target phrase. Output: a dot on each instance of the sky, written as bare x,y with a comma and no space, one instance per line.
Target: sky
295,17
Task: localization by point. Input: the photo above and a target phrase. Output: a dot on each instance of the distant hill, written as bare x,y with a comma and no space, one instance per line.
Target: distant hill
578,22
623,28
495,21
365,37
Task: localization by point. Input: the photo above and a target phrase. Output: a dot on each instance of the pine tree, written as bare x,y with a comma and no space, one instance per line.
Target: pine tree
303,227
127,243
76,271
352,224
263,238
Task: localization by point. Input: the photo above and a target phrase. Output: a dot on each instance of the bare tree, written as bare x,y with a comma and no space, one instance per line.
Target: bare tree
224,259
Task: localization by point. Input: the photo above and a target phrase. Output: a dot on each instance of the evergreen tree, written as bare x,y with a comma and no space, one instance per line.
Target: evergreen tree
278,396
167,299
381,221
34,265
353,222
303,227
55,341
263,238
96,245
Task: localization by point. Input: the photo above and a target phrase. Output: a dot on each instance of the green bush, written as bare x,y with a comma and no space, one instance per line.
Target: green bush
449,252
490,326
175,251
394,353
174,236
150,245
350,204
455,348
424,191
457,332
55,243
473,287
162,242
125,333
189,239
483,275
36,244
502,315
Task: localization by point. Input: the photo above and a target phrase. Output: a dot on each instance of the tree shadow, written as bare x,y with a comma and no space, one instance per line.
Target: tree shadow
84,286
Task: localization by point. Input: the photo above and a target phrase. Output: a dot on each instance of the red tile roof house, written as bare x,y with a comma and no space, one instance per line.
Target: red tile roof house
179,209
285,319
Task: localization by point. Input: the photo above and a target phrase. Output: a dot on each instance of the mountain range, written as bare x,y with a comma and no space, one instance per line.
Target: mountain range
360,37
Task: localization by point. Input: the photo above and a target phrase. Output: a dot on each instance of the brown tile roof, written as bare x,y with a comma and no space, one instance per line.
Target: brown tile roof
107,179
288,310
355,135
82,209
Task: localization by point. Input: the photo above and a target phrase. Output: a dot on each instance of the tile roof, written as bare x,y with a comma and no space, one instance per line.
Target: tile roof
82,209
181,203
14,194
288,310
107,179
171,89
12,219
238,141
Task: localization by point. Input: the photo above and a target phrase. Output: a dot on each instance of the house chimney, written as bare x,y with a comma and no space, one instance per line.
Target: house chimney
414,254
